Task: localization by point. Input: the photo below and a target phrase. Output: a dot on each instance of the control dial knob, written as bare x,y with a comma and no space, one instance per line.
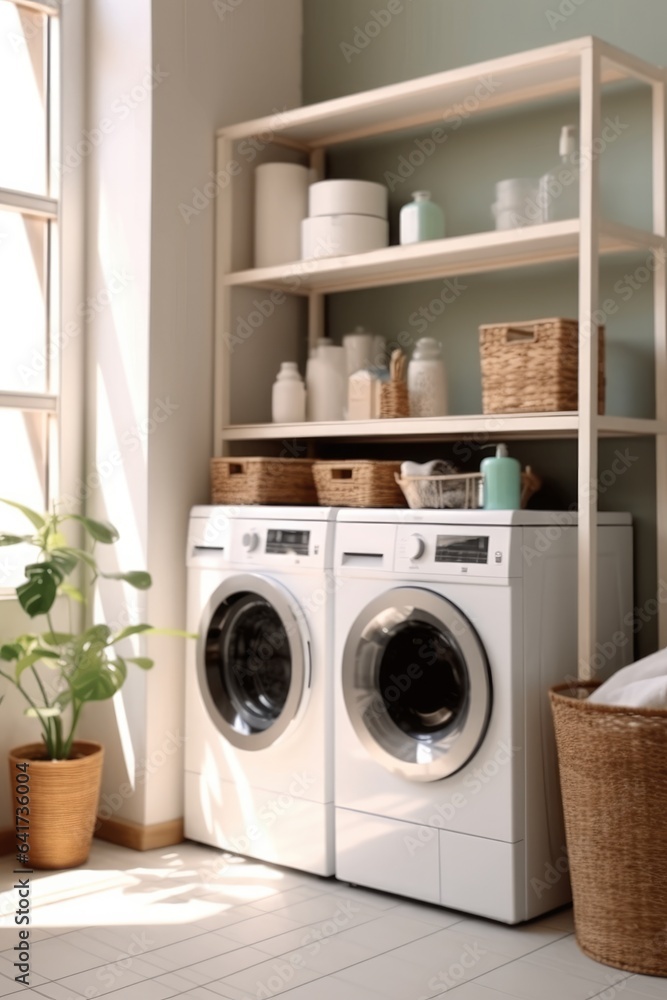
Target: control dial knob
249,540
415,548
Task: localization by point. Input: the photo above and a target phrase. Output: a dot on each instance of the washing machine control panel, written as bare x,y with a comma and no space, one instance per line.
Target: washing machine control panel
280,544
454,551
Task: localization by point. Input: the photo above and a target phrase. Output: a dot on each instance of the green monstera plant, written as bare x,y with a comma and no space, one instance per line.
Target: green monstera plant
85,665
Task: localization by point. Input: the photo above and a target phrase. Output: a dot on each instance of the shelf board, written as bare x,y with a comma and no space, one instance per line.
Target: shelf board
456,255
480,427
445,98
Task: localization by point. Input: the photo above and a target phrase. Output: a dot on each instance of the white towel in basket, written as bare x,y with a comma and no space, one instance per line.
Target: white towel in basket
641,685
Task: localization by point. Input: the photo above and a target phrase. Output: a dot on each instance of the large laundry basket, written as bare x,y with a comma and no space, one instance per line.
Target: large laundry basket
613,775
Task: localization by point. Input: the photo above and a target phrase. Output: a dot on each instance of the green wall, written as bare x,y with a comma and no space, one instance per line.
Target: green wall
432,35
410,38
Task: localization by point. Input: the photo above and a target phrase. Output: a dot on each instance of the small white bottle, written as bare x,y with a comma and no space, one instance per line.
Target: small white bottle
427,380
288,397
559,188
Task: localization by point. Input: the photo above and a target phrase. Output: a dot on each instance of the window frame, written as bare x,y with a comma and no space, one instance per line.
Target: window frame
63,211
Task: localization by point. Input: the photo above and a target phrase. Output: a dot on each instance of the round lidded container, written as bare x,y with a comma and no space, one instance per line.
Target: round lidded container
343,197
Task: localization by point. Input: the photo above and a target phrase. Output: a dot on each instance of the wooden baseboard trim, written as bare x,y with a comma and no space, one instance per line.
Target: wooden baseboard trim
125,833
7,840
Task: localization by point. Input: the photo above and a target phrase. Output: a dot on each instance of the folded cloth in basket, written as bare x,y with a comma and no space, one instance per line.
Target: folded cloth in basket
641,685
438,467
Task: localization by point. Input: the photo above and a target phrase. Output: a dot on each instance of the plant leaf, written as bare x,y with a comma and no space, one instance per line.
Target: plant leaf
37,595
24,663
14,539
11,651
36,519
42,713
81,555
73,592
179,633
131,630
56,540
136,578
95,678
65,560
56,638
101,531
96,633
141,661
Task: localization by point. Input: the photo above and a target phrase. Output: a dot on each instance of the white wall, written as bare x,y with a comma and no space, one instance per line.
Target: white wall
151,349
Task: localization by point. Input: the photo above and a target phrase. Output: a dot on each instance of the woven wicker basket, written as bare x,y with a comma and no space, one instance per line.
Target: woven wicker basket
358,484
533,367
262,481
63,798
394,400
613,774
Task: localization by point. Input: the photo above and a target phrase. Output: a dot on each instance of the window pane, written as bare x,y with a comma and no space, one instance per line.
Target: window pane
23,325
23,119
23,446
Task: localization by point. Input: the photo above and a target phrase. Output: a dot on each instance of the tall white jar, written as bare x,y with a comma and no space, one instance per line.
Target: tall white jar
427,380
288,397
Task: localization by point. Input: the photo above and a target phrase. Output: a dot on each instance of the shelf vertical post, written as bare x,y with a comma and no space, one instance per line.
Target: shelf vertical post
316,299
588,358
660,344
223,302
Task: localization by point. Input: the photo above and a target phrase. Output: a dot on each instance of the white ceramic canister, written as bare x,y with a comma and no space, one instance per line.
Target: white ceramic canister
288,396
340,235
341,197
421,219
427,380
364,350
326,382
281,202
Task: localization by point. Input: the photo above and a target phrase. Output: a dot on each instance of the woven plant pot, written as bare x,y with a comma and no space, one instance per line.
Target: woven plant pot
63,797
613,776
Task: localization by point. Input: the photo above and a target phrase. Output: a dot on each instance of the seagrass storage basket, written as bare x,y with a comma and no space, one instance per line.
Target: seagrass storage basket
613,775
358,484
534,367
262,481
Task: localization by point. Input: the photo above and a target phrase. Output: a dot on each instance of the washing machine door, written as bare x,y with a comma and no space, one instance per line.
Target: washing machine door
253,661
416,684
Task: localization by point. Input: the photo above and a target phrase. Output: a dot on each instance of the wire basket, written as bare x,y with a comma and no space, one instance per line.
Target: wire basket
457,491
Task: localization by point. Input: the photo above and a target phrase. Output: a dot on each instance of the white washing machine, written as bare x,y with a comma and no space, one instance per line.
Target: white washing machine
450,628
259,691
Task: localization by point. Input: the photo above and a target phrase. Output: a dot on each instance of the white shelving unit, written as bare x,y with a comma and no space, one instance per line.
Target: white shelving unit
579,67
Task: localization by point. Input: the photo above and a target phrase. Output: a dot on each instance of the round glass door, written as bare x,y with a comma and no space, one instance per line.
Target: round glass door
251,661
416,684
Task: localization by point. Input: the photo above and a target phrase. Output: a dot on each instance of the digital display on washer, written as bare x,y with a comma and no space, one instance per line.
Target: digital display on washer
279,541
459,549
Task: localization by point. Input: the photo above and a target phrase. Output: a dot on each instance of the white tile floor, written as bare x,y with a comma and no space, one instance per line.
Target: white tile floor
191,922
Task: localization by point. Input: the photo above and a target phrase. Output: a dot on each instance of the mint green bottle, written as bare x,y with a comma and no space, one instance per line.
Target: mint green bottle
502,481
421,219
